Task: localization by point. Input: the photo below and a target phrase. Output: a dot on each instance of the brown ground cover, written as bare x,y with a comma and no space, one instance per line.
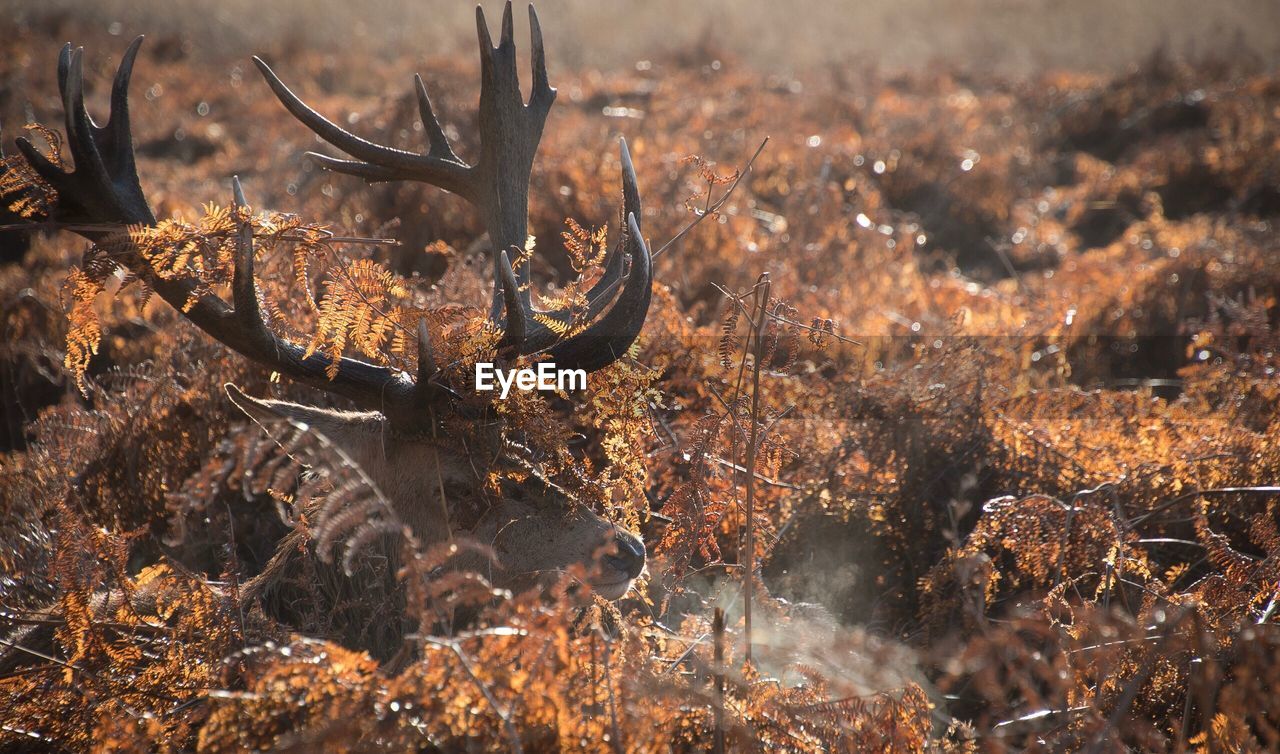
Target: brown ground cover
1032,507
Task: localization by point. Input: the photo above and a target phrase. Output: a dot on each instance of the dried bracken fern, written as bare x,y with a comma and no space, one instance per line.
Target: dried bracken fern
1039,510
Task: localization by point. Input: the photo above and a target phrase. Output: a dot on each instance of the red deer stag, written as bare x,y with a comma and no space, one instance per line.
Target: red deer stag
535,529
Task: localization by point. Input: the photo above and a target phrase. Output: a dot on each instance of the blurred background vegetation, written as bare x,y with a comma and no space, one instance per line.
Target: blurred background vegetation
1005,36
1035,507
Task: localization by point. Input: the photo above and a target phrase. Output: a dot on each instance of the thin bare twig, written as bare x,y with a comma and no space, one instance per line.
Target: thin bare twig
758,326
714,208
1197,493
679,659
717,627
710,210
742,470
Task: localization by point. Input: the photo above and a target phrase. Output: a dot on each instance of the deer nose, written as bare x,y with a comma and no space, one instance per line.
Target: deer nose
629,557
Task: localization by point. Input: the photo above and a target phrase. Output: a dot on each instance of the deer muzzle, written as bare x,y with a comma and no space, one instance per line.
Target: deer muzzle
621,563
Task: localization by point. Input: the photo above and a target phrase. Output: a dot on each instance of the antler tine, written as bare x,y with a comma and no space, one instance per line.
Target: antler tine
498,64
517,325
508,28
505,55
84,150
630,187
244,292
598,296
371,173
538,61
47,170
377,162
486,44
115,134
608,338
425,388
64,67
439,143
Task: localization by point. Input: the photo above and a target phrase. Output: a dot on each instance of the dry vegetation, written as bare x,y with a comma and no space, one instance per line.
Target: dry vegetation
1033,507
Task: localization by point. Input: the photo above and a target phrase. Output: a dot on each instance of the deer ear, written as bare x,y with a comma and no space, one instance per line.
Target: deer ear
255,408
336,424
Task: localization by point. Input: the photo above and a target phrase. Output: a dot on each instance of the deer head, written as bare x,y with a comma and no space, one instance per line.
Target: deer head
535,528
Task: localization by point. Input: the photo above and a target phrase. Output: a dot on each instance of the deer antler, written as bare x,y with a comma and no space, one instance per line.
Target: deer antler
104,186
104,190
497,185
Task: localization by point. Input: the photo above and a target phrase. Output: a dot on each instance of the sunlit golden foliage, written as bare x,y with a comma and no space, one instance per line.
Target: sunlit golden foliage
1036,498
140,652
